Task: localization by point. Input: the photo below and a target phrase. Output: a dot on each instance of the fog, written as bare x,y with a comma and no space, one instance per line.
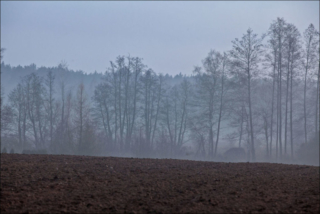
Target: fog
209,81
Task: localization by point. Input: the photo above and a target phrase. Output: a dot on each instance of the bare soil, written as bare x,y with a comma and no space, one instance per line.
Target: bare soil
82,184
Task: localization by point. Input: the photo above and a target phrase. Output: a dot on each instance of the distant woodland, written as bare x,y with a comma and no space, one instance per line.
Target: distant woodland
262,95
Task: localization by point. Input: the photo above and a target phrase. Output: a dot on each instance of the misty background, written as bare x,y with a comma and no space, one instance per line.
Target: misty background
162,79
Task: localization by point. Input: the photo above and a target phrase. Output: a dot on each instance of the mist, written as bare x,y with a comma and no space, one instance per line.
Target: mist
253,99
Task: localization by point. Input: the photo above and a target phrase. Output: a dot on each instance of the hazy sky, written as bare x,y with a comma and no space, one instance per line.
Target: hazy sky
171,37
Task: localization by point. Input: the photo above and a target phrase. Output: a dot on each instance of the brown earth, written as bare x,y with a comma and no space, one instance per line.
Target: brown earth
81,184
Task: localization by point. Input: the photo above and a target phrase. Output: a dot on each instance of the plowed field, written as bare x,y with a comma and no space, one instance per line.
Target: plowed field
81,184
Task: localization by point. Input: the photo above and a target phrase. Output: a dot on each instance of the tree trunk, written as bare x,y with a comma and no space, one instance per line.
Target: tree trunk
286,116
241,125
266,135
62,114
305,107
280,105
220,114
291,109
317,108
277,139
272,107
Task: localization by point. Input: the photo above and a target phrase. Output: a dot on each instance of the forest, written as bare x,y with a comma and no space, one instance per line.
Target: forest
262,95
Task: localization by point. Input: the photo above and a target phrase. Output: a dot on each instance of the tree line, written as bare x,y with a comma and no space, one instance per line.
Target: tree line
262,95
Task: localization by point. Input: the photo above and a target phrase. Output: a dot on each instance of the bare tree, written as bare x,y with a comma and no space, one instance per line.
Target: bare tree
69,141
81,116
50,100
207,83
271,59
263,97
288,41
133,95
222,74
277,31
293,50
317,93
246,55
117,101
175,114
1,89
62,120
7,120
35,92
310,39
152,95
17,100
238,105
